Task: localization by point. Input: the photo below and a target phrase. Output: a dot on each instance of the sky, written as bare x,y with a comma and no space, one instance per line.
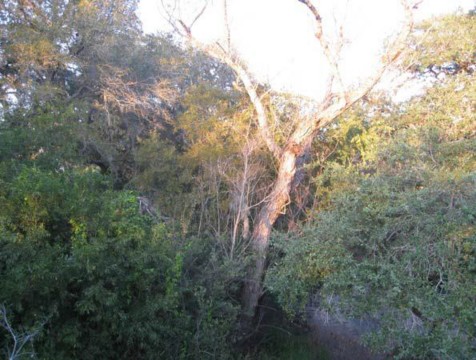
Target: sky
275,38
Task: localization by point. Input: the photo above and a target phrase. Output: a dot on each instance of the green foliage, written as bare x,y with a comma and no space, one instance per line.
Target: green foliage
94,129
395,234
211,124
413,262
306,265
280,344
161,175
45,42
88,122
111,282
445,39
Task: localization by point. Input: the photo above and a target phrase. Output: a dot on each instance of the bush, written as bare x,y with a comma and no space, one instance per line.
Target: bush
112,283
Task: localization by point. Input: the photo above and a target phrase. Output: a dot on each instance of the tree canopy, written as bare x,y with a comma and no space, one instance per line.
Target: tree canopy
134,176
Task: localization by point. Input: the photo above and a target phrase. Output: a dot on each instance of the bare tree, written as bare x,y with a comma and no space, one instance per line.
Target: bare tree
337,100
243,183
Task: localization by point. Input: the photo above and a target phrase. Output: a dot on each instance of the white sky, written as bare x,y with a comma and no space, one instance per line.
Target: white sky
275,37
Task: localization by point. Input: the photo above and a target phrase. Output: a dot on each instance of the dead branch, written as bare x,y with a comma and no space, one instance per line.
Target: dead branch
339,102
217,51
20,340
331,56
129,96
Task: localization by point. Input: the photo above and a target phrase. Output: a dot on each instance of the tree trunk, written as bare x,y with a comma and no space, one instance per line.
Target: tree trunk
337,101
275,206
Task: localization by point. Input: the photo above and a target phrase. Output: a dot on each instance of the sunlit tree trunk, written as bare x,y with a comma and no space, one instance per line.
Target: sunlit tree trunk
337,100
269,213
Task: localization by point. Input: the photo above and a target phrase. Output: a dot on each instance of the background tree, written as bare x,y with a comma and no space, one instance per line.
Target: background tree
76,247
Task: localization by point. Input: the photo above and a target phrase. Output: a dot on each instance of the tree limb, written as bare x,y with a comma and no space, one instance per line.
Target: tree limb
319,34
346,99
217,51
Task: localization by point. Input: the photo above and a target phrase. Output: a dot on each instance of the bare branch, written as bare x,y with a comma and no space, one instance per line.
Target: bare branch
332,57
187,29
200,13
20,340
392,54
338,103
262,117
129,96
169,15
217,51
176,22
227,25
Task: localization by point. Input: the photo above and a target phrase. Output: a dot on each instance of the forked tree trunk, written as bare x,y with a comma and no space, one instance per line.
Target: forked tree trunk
275,206
337,101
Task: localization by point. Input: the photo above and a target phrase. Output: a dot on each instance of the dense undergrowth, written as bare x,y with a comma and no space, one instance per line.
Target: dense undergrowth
396,239
127,195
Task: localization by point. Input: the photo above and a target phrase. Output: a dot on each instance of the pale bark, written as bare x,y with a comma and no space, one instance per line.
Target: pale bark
336,102
334,105
242,208
278,199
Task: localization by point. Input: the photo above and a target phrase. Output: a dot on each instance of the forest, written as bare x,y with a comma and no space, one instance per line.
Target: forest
157,202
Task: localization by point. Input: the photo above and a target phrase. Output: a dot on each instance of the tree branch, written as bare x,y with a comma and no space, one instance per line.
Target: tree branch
346,99
319,34
218,52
